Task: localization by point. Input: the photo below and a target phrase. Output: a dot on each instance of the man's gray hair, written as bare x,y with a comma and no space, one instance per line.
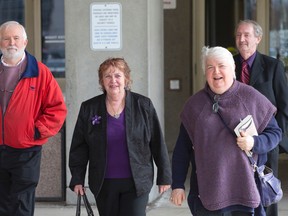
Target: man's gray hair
9,23
258,32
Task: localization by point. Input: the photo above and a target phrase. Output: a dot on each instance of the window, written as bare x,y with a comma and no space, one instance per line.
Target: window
53,38
12,10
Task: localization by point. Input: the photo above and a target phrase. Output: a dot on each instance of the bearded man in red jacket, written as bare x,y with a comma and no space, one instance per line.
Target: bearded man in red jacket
32,109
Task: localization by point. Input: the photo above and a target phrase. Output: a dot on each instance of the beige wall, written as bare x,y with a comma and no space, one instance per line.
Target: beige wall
178,65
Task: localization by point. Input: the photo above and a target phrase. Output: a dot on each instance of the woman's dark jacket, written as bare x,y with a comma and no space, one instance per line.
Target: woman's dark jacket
144,140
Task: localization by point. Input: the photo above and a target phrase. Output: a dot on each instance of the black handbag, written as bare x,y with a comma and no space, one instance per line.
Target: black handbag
86,204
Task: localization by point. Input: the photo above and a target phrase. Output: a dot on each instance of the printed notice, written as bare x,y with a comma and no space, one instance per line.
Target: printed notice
106,31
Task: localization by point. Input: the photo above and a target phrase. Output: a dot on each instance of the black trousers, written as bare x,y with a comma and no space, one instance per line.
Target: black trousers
118,198
273,162
19,176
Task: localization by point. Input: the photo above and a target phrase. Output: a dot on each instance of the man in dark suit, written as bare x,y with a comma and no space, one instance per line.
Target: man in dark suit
267,75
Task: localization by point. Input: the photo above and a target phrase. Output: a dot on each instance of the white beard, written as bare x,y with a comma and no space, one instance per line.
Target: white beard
13,54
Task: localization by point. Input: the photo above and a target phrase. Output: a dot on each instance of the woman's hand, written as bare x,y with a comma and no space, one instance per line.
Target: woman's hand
245,142
79,189
163,188
178,196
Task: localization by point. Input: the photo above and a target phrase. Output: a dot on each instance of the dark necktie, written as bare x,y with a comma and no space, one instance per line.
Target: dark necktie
245,73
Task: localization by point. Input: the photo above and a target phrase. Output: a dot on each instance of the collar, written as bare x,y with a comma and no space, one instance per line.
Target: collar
250,60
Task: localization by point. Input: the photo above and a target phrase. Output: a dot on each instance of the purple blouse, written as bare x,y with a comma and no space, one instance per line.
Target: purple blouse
118,165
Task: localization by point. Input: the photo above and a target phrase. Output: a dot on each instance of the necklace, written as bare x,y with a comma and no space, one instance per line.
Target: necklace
116,113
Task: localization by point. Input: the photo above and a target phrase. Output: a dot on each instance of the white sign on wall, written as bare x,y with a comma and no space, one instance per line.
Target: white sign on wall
169,4
106,26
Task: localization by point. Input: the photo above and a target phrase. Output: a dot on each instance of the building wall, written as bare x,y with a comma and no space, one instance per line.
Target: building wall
177,65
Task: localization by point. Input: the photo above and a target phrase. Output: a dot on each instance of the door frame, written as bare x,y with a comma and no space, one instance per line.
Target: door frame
33,27
198,41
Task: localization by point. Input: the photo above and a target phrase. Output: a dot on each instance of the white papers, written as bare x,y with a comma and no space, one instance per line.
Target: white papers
246,125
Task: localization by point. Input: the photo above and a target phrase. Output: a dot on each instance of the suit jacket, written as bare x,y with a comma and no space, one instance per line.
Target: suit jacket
268,77
144,140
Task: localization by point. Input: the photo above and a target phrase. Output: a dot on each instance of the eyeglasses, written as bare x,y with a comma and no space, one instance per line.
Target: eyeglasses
215,106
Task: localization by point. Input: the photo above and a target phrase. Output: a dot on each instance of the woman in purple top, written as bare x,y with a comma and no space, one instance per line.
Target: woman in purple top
119,134
222,181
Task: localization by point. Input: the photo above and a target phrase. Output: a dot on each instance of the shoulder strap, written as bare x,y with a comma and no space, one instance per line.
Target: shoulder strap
215,108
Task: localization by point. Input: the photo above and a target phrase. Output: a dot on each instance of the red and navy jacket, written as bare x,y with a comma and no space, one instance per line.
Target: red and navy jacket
36,110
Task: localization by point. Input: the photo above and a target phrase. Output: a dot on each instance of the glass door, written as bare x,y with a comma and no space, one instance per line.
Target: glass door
278,30
53,39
